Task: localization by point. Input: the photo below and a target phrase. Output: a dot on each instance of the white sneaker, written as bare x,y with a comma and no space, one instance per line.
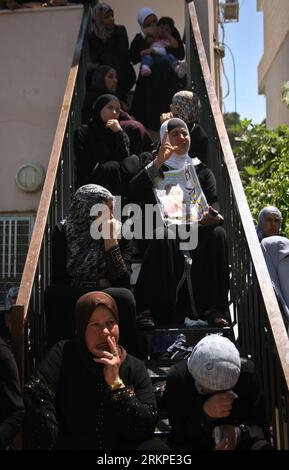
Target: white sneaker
181,69
145,70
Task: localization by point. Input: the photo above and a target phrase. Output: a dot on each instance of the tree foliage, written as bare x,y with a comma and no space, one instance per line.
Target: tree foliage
233,125
263,160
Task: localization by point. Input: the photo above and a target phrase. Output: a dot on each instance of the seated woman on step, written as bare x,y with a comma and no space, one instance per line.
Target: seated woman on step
105,80
160,286
276,252
90,393
84,263
101,149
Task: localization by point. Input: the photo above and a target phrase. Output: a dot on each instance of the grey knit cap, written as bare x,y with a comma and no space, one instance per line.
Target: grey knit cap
215,363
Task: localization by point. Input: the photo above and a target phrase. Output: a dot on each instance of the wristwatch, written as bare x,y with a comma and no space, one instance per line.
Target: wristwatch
116,384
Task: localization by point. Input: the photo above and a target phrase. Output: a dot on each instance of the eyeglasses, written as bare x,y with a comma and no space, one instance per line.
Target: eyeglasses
101,326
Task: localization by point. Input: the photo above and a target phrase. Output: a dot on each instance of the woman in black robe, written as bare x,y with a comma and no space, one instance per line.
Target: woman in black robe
153,93
108,45
160,286
85,259
105,80
90,393
102,149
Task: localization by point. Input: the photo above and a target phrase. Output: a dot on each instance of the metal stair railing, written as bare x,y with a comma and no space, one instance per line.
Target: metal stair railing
261,329
28,319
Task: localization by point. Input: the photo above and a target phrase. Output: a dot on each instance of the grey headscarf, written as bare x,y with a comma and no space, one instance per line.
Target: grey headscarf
85,255
187,106
97,26
264,212
276,254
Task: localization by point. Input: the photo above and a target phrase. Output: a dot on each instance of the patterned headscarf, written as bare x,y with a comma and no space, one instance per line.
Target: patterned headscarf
264,212
97,26
85,255
187,106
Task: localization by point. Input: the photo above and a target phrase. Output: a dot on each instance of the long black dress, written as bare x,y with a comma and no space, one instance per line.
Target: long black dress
98,153
114,52
69,405
139,139
163,263
153,94
199,142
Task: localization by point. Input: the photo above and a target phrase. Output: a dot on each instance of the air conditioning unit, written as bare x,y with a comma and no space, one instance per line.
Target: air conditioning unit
230,10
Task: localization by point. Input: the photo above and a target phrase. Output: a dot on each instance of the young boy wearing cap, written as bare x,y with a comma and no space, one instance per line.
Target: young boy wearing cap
213,389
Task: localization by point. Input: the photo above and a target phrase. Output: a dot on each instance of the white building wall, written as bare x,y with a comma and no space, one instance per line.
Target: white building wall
273,68
276,111
36,51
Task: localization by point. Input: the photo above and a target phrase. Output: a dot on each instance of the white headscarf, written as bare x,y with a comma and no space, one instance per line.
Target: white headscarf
175,161
143,14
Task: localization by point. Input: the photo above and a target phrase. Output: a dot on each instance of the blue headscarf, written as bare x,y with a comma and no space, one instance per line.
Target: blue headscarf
264,212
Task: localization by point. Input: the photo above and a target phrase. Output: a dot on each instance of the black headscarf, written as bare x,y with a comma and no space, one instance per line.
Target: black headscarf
102,101
97,81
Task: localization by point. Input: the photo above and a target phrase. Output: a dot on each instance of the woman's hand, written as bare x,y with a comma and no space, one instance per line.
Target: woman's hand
113,125
211,217
229,438
165,151
110,230
219,405
111,361
165,117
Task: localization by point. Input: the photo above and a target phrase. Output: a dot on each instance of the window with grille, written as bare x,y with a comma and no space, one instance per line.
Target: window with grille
15,234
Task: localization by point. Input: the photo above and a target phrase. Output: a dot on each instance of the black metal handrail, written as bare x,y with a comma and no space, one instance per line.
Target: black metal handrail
261,332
